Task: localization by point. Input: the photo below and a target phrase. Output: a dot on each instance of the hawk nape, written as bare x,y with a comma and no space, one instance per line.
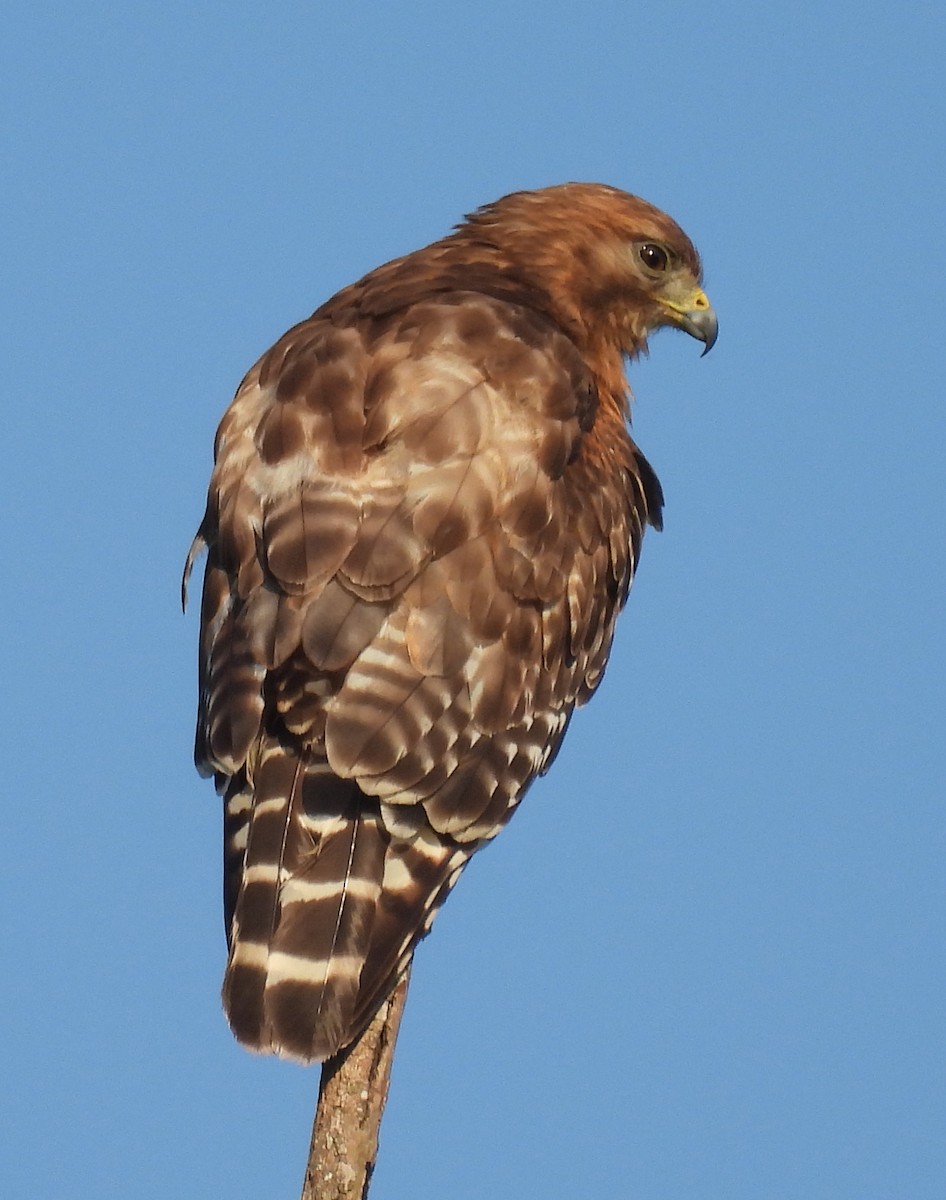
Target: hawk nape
423,519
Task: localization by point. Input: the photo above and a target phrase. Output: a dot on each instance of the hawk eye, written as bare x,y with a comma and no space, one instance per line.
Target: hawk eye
653,256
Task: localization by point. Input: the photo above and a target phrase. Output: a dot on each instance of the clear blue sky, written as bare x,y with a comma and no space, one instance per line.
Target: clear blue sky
707,958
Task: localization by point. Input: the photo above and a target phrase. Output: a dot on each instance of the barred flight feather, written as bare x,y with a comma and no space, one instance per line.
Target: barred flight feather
424,516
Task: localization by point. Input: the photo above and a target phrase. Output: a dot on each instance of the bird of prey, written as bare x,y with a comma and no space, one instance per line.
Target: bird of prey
423,520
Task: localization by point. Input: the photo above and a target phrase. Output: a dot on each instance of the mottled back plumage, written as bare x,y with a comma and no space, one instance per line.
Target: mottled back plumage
423,520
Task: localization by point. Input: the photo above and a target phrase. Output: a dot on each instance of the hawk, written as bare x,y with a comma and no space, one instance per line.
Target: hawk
423,520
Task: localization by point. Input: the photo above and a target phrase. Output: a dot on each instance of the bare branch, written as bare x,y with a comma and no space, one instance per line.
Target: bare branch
352,1096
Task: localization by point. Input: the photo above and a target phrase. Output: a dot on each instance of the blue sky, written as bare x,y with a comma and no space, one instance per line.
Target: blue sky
707,958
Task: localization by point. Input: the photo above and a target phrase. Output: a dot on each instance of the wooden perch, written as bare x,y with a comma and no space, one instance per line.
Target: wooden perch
352,1095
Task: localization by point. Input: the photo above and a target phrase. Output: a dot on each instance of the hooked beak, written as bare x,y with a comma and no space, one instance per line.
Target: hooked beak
701,324
696,317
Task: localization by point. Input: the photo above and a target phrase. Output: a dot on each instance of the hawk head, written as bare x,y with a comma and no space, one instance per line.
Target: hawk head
614,267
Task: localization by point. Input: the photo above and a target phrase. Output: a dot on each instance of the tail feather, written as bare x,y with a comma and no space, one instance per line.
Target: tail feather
327,902
314,970
417,877
256,892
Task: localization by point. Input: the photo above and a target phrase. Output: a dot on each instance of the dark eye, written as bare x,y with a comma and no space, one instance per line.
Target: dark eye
654,256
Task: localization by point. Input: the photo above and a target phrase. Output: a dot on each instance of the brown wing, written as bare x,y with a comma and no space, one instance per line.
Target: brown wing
420,530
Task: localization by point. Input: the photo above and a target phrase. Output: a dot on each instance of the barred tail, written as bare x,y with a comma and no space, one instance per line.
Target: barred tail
327,907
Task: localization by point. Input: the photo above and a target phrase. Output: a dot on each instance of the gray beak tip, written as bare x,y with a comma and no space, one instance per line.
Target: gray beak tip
704,325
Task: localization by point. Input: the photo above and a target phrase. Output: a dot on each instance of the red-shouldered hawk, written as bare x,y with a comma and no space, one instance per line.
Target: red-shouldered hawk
423,519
